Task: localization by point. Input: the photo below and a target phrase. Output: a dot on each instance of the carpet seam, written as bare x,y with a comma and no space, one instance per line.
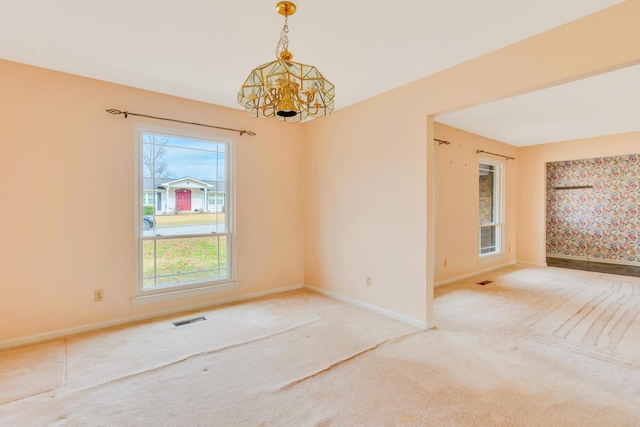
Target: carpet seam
191,356
65,361
29,397
345,360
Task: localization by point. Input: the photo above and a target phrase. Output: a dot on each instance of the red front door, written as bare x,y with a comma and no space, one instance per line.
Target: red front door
183,200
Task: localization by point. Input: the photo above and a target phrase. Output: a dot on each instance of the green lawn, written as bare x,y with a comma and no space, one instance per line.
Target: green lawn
184,260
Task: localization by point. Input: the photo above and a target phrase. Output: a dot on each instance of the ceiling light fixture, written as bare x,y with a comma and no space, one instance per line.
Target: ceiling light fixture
285,89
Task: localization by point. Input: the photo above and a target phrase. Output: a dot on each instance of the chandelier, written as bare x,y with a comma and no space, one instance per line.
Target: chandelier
284,89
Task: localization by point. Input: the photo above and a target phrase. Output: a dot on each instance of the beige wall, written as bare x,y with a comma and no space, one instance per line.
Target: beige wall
68,212
458,205
532,162
349,235
366,206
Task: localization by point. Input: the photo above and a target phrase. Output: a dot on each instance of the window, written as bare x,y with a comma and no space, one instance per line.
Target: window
148,198
216,202
186,246
491,219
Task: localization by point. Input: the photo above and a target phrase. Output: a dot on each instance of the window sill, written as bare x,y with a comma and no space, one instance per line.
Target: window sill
182,293
487,259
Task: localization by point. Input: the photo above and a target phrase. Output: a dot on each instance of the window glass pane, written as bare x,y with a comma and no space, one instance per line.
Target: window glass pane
184,238
183,172
221,189
488,239
487,192
170,262
148,263
490,208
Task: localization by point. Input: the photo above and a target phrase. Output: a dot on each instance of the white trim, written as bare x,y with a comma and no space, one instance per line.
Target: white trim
174,293
230,206
392,314
603,260
139,210
48,336
170,183
489,258
473,273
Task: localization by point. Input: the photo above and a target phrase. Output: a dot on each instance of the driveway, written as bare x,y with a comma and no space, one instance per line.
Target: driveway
186,229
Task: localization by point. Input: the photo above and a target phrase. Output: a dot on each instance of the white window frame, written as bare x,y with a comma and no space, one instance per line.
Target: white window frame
197,288
498,201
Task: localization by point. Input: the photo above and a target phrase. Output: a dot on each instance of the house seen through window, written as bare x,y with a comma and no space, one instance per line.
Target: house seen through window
185,233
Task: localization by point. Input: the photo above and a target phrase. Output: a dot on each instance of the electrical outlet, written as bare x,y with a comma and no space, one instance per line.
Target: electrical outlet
98,295
368,280
445,262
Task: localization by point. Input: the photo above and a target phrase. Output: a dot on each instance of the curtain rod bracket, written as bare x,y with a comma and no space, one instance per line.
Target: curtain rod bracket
127,114
499,155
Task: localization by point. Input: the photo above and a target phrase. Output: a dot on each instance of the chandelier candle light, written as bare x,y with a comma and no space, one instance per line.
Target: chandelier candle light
285,89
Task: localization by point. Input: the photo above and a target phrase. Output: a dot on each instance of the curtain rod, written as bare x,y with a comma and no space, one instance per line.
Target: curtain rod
499,155
127,114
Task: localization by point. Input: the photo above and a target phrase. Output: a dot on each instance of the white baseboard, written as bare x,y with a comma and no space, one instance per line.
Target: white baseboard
48,336
473,273
605,261
392,314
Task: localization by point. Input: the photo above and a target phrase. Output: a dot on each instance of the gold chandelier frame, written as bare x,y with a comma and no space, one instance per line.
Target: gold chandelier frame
287,90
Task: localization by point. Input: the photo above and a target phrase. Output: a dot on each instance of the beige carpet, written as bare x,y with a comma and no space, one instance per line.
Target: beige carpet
31,371
537,347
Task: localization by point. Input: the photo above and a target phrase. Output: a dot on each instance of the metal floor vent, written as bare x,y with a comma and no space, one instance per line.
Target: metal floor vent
188,321
484,282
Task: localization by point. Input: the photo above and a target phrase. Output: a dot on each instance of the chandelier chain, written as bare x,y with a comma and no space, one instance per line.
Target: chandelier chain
283,43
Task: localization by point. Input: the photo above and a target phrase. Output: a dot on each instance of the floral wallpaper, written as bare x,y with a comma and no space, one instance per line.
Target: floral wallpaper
598,222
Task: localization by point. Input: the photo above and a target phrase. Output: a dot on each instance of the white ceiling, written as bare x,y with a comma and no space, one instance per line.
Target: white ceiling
602,105
205,49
